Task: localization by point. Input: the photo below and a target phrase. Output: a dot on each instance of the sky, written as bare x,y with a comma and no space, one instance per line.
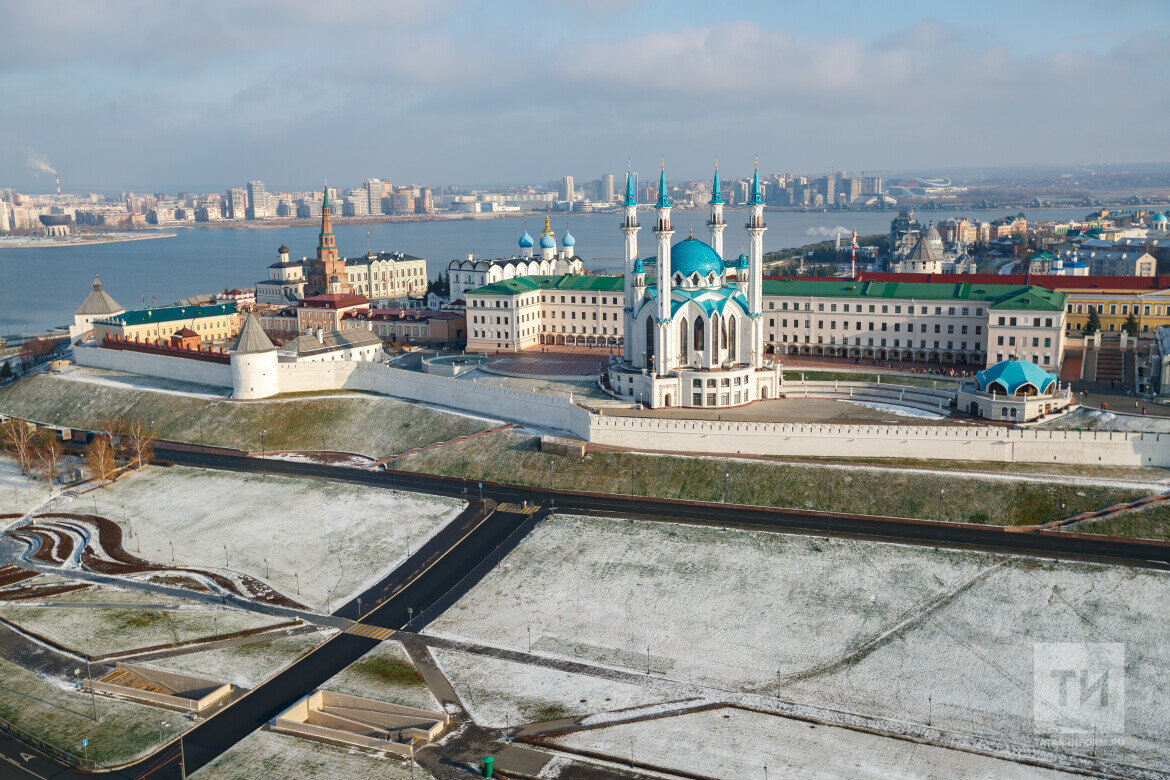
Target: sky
150,96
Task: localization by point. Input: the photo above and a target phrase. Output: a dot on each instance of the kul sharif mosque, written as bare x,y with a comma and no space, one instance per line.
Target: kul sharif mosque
694,335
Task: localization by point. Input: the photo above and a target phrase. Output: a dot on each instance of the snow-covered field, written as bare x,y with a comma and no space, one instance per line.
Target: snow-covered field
264,754
97,631
1102,420
245,665
726,608
328,540
503,693
972,663
734,744
18,493
794,616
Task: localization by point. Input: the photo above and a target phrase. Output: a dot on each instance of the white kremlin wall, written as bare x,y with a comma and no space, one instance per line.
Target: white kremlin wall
930,442
183,369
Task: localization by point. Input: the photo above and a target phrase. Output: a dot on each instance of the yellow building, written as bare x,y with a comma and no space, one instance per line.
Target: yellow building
216,322
1151,308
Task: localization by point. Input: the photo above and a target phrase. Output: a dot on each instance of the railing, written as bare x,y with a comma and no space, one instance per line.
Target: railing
61,755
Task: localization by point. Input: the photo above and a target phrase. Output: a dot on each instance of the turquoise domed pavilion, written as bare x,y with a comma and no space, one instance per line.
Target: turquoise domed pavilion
1015,377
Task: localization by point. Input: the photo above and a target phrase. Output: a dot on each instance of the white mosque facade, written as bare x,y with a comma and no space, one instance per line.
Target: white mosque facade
475,272
693,337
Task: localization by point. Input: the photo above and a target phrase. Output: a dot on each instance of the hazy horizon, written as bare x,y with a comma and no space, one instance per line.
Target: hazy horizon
158,97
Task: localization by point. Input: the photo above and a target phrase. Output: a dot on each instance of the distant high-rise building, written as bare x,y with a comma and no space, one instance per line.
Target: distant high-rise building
260,203
607,188
235,204
356,204
566,192
5,224
423,203
403,200
871,185
373,188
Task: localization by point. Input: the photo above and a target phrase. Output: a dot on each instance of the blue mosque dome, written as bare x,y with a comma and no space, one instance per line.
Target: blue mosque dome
567,239
1012,374
693,256
743,261
548,242
1159,217
526,241
638,267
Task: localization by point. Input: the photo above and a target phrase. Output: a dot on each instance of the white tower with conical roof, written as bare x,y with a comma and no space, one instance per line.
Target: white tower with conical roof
253,363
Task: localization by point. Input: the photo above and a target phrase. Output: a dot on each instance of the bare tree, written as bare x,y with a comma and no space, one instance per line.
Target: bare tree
99,457
16,437
115,429
48,452
140,443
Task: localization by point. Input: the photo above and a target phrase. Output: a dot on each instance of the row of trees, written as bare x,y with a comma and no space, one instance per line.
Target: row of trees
130,441
1130,326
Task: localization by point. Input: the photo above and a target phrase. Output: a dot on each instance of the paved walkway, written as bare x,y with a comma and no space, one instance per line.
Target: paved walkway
552,361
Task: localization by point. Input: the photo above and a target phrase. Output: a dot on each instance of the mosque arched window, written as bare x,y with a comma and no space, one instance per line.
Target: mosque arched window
699,334
649,338
731,335
695,279
682,340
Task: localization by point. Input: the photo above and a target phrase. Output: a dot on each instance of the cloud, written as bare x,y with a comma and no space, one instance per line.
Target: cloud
191,95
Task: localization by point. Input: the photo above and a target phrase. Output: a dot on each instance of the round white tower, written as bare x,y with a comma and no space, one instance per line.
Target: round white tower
253,363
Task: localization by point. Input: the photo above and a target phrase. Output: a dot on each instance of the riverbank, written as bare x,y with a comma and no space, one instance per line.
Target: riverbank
80,239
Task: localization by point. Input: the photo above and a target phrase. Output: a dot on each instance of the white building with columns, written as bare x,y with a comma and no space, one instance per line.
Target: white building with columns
694,337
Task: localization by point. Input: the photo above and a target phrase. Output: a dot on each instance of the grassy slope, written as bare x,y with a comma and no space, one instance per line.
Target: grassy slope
1152,523
370,425
516,458
63,717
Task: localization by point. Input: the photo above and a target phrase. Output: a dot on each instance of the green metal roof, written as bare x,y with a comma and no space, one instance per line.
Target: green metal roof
171,313
523,284
995,296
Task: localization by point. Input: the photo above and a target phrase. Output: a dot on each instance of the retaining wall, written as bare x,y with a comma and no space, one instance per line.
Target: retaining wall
491,400
934,442
167,366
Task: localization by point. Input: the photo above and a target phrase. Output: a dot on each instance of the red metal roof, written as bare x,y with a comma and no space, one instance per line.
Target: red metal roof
1048,282
333,301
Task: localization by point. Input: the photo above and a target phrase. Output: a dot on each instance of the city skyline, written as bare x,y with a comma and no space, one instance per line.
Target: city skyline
170,98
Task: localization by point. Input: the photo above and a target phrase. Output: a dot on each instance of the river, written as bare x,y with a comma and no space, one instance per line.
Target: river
43,286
